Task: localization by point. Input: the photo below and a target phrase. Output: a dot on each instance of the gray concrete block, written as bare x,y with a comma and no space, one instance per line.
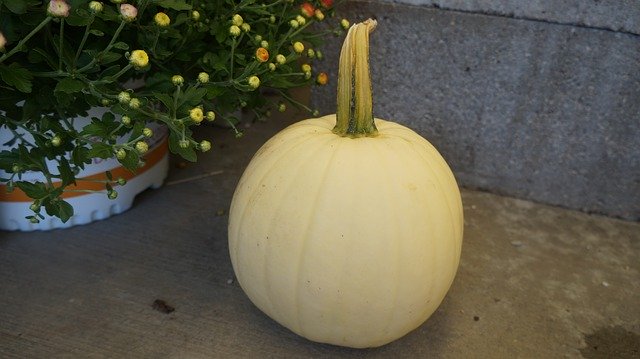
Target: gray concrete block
545,112
615,15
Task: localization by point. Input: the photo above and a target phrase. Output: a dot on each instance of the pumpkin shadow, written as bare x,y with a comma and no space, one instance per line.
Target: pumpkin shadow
428,340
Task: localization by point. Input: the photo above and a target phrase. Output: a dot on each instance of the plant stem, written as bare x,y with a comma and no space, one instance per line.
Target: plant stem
82,42
60,51
25,39
354,115
109,46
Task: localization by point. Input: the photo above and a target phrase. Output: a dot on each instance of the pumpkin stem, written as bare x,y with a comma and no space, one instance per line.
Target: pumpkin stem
354,115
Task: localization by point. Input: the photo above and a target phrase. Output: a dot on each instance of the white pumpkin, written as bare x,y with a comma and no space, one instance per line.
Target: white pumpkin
346,240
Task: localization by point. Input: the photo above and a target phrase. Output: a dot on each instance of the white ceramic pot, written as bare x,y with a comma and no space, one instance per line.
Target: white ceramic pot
89,207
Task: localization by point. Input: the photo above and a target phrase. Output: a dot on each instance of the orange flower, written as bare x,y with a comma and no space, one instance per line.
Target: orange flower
262,54
322,78
307,9
327,4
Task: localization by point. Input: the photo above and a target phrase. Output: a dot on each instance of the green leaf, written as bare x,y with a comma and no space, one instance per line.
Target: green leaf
65,210
174,4
188,153
69,85
96,32
35,190
130,162
121,45
109,57
100,150
66,174
165,99
16,6
16,76
192,96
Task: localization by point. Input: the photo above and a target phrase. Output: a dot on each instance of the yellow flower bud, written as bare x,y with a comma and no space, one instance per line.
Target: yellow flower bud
95,6
264,43
319,15
134,103
121,154
306,68
301,20
139,58
254,82
237,20
142,147
124,97
272,66
161,19
234,30
196,114
294,24
205,146
195,15
298,47
345,24
203,77
147,132
211,115
245,27
177,80
280,59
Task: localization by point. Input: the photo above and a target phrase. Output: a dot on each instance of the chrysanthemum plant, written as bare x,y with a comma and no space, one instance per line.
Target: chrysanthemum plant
198,60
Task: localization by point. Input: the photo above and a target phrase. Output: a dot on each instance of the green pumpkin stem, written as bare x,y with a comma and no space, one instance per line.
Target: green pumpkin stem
354,115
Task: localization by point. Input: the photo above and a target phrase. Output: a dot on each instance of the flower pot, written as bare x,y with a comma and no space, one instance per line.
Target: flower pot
89,207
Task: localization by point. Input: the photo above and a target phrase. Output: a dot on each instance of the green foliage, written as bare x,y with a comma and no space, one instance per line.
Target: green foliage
54,69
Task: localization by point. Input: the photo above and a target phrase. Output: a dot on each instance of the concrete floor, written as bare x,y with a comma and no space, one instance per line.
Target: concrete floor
534,281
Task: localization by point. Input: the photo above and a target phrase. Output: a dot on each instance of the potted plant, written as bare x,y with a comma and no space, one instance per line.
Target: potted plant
88,81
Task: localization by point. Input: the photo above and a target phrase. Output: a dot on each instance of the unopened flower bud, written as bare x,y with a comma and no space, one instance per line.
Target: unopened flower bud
264,43
128,12
307,9
184,143
345,24
211,115
258,38
121,154
272,19
282,107
294,24
195,15
126,120
196,114
262,55
319,15
254,82
322,78
177,80
311,53
95,6
121,181
272,66
142,147
237,20
234,30
245,27
305,68
161,19
124,97
298,47
139,58
58,8
56,141
205,146
280,59
147,132
134,103
203,77
301,21
112,194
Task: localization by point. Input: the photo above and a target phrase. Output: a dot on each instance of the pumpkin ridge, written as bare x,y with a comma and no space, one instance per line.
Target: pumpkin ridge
381,153
247,175
298,283
450,201
311,154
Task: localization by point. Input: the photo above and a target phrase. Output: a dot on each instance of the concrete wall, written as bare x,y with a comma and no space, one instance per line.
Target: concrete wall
545,109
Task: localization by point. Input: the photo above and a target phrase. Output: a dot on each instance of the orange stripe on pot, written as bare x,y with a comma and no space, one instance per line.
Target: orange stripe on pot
88,183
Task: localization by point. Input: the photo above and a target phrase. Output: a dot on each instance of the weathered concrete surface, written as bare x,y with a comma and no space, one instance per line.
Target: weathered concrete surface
534,281
544,112
614,15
